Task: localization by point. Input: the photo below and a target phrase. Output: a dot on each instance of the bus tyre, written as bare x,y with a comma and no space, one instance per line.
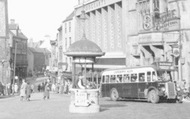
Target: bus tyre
153,97
114,94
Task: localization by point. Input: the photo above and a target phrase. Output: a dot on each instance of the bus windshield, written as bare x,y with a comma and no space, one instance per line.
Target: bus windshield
164,75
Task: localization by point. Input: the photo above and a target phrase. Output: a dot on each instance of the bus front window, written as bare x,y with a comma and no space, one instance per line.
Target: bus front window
165,75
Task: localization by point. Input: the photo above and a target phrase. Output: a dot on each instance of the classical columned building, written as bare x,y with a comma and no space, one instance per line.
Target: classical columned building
103,25
138,32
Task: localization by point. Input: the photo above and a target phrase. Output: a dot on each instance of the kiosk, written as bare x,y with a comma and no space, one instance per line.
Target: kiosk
83,52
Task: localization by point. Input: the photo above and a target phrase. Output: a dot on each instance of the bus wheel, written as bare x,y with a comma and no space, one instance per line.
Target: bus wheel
153,97
114,94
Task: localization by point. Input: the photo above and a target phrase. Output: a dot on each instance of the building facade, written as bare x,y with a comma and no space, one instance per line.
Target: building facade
138,32
104,25
66,36
158,31
19,48
4,47
38,60
53,67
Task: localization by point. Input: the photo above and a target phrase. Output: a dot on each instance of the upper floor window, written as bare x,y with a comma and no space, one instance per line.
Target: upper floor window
69,41
65,27
69,26
66,43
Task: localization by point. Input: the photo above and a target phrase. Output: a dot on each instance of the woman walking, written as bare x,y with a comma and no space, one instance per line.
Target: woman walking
46,90
28,92
23,90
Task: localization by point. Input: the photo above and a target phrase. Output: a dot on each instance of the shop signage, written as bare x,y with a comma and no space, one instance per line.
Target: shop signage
156,21
176,52
150,38
167,21
164,65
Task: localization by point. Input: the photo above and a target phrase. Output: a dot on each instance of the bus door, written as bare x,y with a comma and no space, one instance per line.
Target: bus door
104,85
130,88
142,85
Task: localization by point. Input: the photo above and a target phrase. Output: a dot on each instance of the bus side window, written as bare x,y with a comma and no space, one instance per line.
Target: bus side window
103,79
112,79
153,76
119,78
133,77
148,76
141,77
106,79
125,78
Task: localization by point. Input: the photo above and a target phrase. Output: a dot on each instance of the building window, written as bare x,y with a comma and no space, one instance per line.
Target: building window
69,26
66,43
60,53
65,27
69,41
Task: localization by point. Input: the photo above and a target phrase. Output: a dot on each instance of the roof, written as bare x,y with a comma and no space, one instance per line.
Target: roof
70,17
39,50
84,47
21,35
13,26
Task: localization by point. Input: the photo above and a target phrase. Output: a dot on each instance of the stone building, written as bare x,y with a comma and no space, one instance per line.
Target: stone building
18,47
157,30
138,32
53,64
4,47
38,60
66,36
103,25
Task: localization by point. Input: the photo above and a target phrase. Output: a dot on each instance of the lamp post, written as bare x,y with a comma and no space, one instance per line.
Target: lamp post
14,62
180,44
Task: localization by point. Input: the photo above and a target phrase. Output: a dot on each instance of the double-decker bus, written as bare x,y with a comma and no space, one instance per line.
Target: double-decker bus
152,83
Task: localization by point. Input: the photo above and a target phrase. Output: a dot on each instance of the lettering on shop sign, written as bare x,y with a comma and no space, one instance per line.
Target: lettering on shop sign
167,21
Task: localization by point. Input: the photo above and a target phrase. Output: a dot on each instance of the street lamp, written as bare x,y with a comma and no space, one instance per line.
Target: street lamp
14,62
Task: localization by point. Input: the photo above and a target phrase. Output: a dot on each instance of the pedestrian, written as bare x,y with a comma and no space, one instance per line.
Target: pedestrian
16,88
42,87
28,91
8,88
23,90
53,87
80,82
39,87
46,90
32,88
1,89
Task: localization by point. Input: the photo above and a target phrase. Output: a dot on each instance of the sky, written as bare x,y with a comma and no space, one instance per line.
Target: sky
38,18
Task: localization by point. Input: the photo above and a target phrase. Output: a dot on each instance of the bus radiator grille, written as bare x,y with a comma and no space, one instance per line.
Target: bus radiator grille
171,92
